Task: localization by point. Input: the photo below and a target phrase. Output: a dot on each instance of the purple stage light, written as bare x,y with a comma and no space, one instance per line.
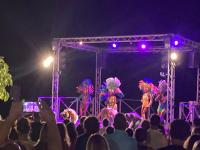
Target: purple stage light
114,45
143,46
176,43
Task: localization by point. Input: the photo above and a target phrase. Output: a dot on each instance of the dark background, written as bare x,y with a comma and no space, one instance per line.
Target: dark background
28,27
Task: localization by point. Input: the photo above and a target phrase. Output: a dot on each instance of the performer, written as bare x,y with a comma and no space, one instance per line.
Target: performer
70,114
86,89
109,92
113,90
146,97
162,98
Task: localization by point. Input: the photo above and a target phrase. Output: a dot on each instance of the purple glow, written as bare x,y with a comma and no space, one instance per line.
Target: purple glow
176,43
143,46
114,45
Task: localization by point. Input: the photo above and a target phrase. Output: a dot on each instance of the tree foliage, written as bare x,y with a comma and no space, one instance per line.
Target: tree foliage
5,80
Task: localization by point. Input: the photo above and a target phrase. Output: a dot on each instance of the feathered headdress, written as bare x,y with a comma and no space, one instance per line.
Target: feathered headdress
112,83
86,86
150,86
162,86
142,85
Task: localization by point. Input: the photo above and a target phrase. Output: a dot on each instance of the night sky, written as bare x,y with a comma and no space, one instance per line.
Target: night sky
28,27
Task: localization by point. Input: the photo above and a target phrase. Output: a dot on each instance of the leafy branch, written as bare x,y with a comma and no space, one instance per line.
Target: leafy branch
5,80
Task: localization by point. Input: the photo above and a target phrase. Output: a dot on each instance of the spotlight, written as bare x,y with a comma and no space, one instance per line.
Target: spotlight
80,43
48,61
176,43
174,56
114,45
143,46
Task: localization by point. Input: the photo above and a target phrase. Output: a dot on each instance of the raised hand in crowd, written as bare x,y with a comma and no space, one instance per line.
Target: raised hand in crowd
5,125
53,136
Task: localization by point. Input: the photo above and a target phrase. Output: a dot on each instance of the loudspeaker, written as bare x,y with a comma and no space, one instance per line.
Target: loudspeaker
101,60
193,60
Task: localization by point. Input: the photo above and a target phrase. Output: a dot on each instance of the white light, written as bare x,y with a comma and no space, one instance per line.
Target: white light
174,56
176,43
80,43
53,48
48,61
143,46
114,45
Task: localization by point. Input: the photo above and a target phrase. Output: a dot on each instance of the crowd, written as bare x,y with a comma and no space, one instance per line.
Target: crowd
42,132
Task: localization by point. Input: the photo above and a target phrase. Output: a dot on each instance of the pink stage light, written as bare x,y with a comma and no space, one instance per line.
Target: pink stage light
114,45
143,46
176,43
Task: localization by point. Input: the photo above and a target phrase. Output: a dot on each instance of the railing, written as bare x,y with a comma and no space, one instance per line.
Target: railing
184,111
124,105
189,110
133,105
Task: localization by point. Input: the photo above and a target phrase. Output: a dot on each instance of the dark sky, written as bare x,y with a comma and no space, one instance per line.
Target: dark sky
28,27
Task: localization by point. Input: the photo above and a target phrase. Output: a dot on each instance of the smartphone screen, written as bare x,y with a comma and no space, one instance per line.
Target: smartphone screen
30,107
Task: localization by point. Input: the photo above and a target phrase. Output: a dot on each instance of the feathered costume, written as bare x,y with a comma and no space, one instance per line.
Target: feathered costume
109,92
148,90
70,114
86,89
162,98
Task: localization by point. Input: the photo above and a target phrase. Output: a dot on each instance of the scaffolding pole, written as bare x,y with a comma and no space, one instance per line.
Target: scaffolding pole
55,103
198,82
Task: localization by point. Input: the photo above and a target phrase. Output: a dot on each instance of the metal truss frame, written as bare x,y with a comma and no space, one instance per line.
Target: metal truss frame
187,110
159,43
198,85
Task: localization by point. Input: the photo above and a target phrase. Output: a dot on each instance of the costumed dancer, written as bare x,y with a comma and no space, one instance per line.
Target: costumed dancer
113,91
86,89
109,92
148,90
162,98
70,114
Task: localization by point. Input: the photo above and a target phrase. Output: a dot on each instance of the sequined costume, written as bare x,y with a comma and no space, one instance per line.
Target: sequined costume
146,97
109,92
86,89
70,114
162,98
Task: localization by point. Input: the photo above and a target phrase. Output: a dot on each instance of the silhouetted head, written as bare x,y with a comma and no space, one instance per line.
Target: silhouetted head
120,122
155,121
110,130
23,126
91,125
179,130
105,122
97,142
129,132
141,135
145,124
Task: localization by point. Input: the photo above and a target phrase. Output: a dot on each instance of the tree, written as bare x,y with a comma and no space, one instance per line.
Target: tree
5,79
